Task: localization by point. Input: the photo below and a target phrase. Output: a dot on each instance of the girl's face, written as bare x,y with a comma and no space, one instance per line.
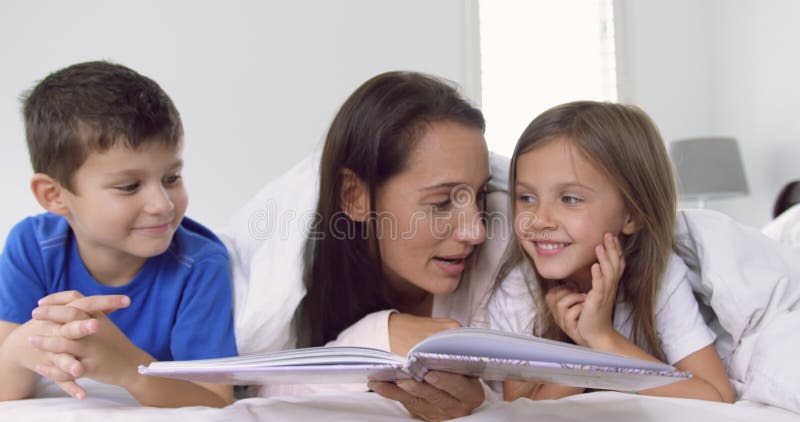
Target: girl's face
427,217
564,206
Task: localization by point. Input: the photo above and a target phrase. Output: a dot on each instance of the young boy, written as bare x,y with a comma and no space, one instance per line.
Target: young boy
105,144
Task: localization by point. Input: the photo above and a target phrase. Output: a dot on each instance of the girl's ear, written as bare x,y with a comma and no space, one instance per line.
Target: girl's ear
354,196
49,194
630,226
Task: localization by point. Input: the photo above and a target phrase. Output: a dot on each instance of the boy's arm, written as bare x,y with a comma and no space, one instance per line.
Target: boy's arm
18,381
19,362
109,356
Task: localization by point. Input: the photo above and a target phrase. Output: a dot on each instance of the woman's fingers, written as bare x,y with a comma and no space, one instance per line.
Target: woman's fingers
468,391
421,399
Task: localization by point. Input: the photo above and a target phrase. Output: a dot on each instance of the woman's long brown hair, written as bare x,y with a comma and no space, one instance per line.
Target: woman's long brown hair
373,134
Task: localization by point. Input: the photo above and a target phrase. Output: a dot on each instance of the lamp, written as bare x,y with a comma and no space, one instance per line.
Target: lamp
708,168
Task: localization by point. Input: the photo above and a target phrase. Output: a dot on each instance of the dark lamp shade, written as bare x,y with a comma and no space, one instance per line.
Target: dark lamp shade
709,168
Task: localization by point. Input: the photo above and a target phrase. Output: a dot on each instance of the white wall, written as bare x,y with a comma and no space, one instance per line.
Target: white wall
720,67
256,82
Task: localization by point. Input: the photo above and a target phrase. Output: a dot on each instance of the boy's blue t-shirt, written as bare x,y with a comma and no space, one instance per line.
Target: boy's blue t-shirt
181,301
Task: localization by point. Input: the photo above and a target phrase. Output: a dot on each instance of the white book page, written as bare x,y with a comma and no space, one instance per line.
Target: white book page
309,356
498,344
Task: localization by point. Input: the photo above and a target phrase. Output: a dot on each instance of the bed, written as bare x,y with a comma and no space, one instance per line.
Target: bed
601,406
748,284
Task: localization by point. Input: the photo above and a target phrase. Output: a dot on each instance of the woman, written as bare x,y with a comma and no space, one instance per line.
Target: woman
394,238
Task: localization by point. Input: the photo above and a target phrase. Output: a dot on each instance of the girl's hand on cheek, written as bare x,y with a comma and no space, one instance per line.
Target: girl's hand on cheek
566,305
596,321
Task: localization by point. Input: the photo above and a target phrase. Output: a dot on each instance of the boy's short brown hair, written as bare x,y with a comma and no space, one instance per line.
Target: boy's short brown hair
89,107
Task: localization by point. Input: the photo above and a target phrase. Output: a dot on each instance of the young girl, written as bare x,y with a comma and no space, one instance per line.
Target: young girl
594,205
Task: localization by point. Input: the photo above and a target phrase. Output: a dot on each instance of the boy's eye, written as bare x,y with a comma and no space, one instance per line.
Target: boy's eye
171,180
571,200
127,188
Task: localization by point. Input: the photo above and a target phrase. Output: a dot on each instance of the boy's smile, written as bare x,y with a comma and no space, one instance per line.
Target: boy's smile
125,207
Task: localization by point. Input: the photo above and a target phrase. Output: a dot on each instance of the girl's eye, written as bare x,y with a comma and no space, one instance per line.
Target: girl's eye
526,198
171,180
128,188
571,200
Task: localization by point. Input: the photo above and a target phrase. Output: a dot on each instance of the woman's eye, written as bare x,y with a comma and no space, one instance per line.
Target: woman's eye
480,200
441,206
171,180
571,200
128,188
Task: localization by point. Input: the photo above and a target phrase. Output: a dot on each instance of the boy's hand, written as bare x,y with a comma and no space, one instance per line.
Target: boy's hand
72,311
88,304
18,345
107,355
596,320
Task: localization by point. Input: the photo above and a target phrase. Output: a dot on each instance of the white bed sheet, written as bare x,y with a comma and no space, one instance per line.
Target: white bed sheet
597,406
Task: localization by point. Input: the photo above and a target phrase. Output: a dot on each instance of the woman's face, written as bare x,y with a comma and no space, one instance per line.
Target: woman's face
428,219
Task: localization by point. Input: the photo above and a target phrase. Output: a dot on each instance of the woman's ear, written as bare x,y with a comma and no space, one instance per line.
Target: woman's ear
354,196
49,194
630,226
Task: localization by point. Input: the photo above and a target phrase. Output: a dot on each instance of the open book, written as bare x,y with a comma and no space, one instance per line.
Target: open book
488,354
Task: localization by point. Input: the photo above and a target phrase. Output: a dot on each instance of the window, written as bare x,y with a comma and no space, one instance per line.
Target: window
536,54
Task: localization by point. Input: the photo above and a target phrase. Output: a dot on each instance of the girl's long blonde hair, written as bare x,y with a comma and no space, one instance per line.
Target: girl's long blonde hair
624,144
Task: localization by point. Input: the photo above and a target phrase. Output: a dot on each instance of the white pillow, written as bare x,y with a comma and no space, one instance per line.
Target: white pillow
786,227
265,239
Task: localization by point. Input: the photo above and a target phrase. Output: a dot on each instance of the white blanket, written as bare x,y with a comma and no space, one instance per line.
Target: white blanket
786,227
752,284
597,407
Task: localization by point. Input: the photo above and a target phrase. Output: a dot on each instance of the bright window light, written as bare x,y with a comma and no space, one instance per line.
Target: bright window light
536,54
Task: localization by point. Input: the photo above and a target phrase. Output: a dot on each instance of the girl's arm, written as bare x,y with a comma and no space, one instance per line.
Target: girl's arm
513,390
709,380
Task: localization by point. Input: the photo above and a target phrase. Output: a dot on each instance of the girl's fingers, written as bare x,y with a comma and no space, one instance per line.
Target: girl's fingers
571,318
614,252
598,285
555,294
566,303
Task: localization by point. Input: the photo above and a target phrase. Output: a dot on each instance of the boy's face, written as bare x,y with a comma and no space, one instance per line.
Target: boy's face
126,204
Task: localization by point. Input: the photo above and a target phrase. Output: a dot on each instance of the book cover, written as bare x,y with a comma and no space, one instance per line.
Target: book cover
487,354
